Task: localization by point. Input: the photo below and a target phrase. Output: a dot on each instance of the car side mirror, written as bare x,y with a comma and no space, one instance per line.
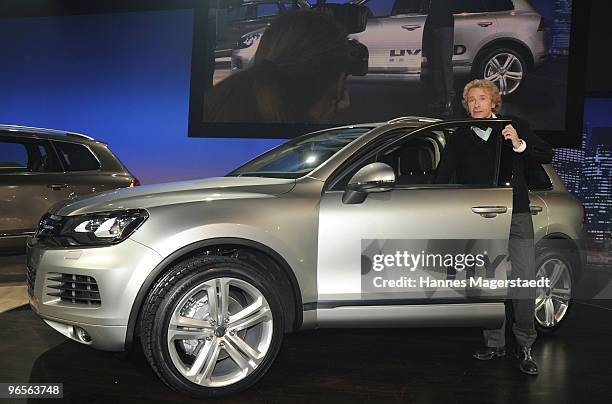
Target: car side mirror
372,178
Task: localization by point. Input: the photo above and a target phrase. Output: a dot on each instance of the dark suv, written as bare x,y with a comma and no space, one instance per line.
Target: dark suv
39,167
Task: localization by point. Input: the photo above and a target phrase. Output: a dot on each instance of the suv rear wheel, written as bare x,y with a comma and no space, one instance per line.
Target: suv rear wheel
553,304
503,66
211,326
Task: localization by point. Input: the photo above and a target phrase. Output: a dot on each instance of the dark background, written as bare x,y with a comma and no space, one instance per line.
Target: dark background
599,45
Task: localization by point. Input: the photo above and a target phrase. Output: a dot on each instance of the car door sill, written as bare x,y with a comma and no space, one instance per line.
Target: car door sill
489,315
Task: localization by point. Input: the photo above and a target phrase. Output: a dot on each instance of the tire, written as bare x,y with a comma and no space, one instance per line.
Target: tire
510,78
552,308
242,348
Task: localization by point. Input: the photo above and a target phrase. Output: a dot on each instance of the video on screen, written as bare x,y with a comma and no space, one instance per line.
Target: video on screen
397,58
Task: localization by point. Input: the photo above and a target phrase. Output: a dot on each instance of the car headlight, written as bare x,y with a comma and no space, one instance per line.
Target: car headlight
248,40
101,228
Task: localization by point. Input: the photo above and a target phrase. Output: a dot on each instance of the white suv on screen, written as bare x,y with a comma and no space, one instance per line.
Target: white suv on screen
499,40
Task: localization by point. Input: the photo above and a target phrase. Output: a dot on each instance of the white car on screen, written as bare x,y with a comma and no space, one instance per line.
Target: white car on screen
499,40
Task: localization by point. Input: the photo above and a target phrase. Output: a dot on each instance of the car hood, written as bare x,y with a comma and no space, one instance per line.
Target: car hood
174,193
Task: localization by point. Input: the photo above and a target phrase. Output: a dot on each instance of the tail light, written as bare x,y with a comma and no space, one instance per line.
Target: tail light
542,25
134,183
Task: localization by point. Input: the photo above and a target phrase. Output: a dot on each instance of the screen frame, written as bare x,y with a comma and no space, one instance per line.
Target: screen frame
570,137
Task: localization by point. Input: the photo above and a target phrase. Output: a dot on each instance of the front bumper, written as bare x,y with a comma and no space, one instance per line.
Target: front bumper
539,59
119,272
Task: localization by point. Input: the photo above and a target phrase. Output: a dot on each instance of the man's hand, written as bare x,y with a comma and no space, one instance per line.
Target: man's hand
509,133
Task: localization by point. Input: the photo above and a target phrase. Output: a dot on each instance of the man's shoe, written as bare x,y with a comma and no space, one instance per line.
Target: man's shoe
489,353
526,363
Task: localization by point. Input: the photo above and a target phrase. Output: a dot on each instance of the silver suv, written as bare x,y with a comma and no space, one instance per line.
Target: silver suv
498,40
209,274
40,167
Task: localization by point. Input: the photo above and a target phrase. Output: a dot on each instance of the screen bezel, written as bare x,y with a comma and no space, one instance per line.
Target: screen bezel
571,136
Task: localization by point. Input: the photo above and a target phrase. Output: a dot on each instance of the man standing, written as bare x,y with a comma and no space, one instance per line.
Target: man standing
471,158
438,44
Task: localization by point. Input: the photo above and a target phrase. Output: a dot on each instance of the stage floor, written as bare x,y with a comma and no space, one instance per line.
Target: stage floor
390,366
335,366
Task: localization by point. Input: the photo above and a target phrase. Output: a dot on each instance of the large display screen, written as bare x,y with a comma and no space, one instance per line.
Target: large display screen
523,46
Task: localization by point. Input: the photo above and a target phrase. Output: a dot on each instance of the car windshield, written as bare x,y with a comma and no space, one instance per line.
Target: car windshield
301,155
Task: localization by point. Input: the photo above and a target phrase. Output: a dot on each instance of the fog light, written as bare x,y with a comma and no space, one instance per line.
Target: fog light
82,335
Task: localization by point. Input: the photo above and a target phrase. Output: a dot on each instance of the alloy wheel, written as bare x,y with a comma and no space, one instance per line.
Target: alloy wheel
553,302
220,332
506,71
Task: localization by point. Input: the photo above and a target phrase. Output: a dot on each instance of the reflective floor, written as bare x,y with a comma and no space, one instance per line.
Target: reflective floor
336,366
400,365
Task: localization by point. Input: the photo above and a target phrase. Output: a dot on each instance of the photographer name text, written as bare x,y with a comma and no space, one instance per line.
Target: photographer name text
482,283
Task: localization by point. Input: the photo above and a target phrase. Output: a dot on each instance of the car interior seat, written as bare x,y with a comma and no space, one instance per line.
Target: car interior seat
415,167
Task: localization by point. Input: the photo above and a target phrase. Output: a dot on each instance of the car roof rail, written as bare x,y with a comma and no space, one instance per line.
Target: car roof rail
413,118
30,129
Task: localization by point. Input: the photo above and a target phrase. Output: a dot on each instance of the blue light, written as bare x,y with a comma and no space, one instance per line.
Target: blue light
122,78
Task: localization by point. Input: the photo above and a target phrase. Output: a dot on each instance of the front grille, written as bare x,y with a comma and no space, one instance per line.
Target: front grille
76,289
30,278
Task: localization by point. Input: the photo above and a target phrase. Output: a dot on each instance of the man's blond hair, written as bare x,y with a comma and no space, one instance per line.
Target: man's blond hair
487,86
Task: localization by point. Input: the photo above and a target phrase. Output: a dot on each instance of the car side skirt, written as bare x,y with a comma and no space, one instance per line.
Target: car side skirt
488,315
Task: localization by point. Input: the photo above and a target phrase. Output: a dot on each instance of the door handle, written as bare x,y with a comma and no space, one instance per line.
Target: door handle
535,209
411,27
489,211
57,187
485,24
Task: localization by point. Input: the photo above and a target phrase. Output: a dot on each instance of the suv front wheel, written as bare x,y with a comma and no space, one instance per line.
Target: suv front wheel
211,326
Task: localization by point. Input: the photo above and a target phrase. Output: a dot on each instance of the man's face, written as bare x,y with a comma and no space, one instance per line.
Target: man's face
479,103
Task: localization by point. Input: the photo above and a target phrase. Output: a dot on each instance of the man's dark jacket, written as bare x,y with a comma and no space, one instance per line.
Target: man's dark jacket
470,160
440,14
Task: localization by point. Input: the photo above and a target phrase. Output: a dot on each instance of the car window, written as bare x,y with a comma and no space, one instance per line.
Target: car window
292,5
45,159
499,5
410,7
26,155
266,10
422,159
300,156
380,8
13,156
468,6
414,159
76,157
398,155
237,13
